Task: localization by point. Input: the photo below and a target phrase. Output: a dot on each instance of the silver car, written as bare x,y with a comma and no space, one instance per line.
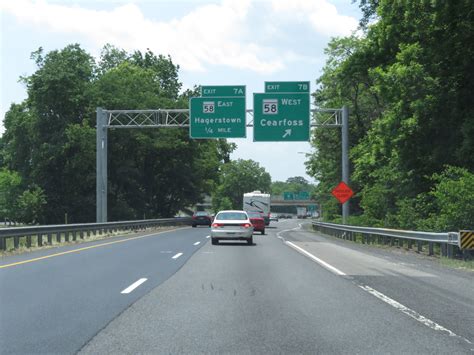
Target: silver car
231,225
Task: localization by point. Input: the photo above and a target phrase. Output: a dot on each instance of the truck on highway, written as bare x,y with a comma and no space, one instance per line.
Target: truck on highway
301,212
257,201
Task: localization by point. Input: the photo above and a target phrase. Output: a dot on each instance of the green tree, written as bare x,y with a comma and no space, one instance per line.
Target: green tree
407,84
18,204
50,138
236,178
59,95
30,205
294,184
451,197
10,189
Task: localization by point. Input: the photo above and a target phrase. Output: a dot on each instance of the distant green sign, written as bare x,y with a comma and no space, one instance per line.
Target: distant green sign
221,90
288,196
312,208
303,195
217,117
287,86
281,117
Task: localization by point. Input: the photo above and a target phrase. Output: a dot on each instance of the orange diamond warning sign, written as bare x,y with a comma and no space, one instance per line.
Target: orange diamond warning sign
342,192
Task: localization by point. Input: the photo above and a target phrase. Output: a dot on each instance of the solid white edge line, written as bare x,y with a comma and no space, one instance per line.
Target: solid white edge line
390,301
319,261
177,256
287,230
408,311
133,286
208,237
197,243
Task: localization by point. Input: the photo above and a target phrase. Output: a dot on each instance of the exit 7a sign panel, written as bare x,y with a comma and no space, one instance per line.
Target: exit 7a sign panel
281,117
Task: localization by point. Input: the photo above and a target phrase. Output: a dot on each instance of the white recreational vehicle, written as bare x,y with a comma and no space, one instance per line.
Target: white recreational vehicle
258,202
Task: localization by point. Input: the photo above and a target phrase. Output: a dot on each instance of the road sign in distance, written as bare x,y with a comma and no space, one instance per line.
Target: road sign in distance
287,86
280,117
217,117
220,90
311,208
288,196
303,195
342,192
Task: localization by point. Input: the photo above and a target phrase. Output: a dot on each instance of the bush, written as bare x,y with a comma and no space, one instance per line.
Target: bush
453,200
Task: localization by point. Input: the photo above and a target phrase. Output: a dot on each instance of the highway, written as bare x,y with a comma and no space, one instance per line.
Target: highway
293,291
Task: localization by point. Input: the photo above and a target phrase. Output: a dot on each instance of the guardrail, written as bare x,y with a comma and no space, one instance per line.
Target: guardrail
68,232
448,242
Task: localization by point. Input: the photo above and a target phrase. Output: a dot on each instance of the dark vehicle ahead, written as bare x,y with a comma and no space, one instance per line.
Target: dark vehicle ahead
202,218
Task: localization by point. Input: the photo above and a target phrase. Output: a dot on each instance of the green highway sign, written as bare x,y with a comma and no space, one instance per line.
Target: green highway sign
220,90
217,117
281,117
288,196
303,195
287,86
311,208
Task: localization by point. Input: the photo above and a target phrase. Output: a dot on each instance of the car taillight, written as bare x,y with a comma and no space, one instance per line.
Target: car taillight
194,217
217,224
246,225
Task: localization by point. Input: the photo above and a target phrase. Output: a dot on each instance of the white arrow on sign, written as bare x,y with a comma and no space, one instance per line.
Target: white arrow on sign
287,133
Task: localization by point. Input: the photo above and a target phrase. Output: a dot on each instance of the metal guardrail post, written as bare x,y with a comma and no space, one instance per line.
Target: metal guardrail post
419,246
450,251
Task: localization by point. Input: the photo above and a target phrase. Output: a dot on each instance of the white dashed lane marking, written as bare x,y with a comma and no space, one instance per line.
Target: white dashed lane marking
177,256
133,286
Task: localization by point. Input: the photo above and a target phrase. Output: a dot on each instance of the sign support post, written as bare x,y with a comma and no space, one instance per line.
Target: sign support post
101,146
345,158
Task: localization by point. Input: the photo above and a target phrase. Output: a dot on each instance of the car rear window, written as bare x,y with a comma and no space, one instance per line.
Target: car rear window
201,213
231,215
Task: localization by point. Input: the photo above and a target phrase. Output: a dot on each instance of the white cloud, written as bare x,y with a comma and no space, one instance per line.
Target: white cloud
211,34
207,35
321,15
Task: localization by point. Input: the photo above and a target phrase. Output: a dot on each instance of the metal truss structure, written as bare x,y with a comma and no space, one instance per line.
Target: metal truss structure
169,118
180,118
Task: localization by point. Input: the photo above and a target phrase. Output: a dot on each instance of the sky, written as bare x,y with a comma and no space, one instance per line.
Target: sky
221,42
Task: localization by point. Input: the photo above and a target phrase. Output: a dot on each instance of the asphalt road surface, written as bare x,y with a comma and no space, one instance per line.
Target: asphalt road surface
293,291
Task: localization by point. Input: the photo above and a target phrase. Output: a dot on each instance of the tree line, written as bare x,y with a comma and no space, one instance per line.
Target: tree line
48,153
408,81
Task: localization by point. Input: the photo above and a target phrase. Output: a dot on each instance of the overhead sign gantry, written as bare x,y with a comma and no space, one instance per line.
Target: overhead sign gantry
281,113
